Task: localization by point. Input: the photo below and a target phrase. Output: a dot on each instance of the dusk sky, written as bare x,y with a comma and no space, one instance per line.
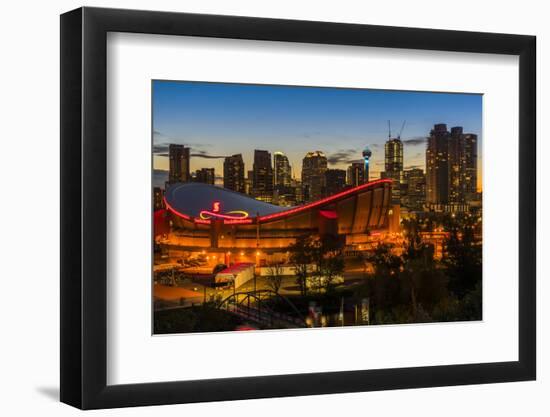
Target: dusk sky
217,119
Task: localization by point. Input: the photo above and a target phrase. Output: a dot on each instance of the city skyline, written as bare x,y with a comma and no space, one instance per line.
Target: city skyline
282,207
218,120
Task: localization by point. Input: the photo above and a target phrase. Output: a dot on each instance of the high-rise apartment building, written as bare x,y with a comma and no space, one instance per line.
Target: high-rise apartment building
414,189
205,175
456,166
179,159
393,166
437,165
281,170
233,173
335,181
262,181
470,167
248,182
297,189
356,174
393,155
314,166
451,167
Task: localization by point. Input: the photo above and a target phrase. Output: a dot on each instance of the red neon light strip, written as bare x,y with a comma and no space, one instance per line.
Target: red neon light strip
173,210
324,200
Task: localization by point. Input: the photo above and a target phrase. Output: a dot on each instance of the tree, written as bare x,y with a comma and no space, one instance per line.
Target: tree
383,287
275,276
384,261
472,304
301,257
424,281
329,259
462,259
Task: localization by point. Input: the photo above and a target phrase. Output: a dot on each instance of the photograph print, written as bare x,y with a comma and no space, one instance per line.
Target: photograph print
290,207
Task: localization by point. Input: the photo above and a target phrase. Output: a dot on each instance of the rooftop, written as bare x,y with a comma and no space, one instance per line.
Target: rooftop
192,198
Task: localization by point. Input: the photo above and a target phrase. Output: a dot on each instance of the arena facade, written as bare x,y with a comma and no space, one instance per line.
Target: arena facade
233,227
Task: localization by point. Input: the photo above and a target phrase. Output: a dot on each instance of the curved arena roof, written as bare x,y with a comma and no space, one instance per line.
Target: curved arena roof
192,198
198,202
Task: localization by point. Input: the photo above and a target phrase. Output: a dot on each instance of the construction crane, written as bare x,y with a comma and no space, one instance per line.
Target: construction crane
401,131
389,129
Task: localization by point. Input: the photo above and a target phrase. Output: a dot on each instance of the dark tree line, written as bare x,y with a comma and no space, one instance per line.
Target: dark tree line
317,262
415,287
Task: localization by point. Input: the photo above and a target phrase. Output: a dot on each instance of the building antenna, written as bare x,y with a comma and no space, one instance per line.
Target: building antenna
401,131
389,129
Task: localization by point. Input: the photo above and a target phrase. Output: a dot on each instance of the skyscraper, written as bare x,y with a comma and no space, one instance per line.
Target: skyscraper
248,182
281,171
456,165
356,174
314,166
205,175
393,155
470,167
297,189
451,167
179,159
335,181
437,165
262,181
283,193
414,186
393,166
233,173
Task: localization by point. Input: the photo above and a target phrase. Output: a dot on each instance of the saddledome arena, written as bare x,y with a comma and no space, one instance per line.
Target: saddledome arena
206,217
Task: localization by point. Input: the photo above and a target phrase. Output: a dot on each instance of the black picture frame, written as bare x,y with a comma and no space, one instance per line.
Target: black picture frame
84,207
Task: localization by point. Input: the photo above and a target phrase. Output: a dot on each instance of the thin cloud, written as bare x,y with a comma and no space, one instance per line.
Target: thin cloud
160,149
205,154
417,140
344,156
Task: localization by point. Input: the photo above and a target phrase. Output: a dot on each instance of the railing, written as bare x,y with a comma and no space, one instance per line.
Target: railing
254,306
